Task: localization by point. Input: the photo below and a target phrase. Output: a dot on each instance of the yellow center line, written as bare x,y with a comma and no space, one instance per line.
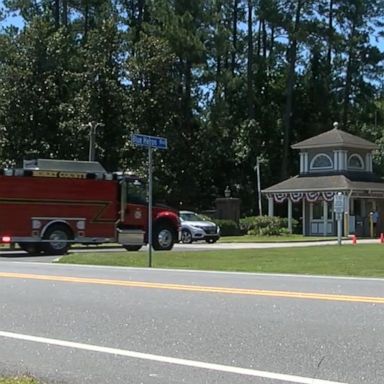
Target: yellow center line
197,288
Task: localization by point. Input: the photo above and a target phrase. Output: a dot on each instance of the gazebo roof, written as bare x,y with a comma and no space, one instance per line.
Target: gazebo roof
335,138
324,183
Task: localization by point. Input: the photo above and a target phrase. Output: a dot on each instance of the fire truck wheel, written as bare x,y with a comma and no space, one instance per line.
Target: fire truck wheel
132,248
33,249
163,237
58,236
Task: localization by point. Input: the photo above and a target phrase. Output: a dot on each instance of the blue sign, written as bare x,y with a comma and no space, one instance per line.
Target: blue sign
149,141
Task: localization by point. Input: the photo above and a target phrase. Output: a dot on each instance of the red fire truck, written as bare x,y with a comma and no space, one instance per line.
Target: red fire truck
50,204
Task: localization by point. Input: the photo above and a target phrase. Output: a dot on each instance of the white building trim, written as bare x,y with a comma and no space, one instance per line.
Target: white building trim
350,158
315,158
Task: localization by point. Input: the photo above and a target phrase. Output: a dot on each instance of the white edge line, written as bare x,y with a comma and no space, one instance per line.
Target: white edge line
168,360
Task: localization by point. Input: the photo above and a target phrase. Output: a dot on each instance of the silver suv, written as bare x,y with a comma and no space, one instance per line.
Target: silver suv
195,227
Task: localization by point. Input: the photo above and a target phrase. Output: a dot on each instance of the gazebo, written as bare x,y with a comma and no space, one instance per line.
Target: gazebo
331,163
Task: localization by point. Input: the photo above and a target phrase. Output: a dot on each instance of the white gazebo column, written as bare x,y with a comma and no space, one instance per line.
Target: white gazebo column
270,206
303,216
289,215
368,162
344,156
305,162
325,217
336,160
340,160
301,162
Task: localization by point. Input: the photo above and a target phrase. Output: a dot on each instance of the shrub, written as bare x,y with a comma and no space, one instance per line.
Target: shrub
228,227
265,225
295,224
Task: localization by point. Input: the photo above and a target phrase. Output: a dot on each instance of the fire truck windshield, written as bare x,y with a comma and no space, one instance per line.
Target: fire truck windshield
136,192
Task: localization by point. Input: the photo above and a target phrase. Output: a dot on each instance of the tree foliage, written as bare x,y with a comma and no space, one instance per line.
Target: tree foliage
226,81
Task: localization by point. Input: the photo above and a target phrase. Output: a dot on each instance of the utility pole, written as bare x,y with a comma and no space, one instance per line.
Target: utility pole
259,186
92,139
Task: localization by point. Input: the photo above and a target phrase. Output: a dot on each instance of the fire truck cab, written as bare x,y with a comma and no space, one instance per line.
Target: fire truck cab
50,204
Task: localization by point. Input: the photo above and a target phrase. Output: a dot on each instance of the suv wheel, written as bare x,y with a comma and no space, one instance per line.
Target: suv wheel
186,236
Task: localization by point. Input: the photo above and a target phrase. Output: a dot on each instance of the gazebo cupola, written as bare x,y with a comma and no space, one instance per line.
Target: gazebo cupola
335,151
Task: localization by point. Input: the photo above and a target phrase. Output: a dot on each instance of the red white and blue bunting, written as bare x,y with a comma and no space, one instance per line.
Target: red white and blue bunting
280,197
312,196
296,197
328,196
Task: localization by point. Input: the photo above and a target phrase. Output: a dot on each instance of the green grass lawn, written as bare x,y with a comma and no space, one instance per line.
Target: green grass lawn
346,260
18,380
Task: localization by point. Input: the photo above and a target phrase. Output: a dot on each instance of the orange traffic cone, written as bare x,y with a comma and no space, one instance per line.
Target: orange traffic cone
354,239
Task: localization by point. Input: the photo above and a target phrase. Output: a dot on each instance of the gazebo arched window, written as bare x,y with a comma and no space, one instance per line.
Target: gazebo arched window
355,161
321,161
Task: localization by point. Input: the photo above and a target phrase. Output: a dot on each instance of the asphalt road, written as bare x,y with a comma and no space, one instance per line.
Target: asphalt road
82,324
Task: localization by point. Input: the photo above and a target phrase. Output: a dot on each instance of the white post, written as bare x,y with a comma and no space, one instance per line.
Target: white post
339,208
325,217
303,215
270,206
339,228
289,215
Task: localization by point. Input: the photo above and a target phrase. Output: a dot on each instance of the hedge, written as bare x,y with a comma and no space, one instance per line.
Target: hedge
266,225
228,227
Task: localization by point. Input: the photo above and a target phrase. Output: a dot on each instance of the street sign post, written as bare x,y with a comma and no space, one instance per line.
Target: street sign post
339,208
151,142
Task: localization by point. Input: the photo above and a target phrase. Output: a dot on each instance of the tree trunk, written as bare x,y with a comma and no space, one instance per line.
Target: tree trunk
86,21
234,35
218,55
328,74
139,20
330,35
65,13
218,77
258,50
188,90
264,39
291,78
250,91
56,13
348,80
272,41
